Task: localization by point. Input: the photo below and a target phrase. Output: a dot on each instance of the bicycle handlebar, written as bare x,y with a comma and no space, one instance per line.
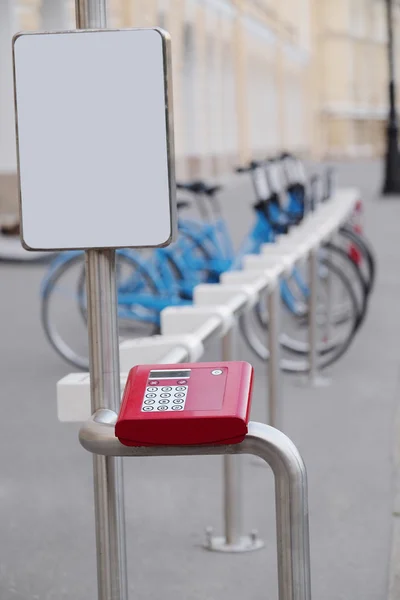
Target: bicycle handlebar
254,164
199,187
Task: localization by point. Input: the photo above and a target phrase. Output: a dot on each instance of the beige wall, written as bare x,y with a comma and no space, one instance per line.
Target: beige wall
351,40
241,77
250,77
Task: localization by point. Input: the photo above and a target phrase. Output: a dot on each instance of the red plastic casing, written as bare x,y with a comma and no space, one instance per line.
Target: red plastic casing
216,409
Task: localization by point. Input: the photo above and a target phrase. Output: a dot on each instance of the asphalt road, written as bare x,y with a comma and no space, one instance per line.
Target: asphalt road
345,433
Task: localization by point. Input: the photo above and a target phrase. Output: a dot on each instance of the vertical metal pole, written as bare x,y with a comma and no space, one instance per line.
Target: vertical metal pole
312,314
314,377
91,14
391,184
233,540
105,386
105,393
292,529
232,465
328,305
273,364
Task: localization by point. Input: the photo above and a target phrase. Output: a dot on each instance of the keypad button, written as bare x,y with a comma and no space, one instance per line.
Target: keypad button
149,402
151,395
165,395
148,408
163,402
178,401
151,389
162,408
166,389
179,395
177,407
182,382
216,372
153,382
180,389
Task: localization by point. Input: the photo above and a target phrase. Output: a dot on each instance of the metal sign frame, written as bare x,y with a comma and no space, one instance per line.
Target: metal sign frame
73,188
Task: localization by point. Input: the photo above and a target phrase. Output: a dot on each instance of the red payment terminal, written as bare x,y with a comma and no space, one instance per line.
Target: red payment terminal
186,404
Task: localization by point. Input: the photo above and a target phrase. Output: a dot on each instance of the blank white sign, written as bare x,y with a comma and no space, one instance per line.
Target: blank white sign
94,140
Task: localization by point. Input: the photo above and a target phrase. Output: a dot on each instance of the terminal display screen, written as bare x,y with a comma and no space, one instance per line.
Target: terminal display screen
167,374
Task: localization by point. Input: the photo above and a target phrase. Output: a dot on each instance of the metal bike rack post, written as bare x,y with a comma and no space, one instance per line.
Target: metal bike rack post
291,502
105,386
329,303
207,300
233,540
312,314
268,281
314,377
105,393
275,409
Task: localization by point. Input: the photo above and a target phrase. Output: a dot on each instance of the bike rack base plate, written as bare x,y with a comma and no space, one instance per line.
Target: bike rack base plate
245,543
316,381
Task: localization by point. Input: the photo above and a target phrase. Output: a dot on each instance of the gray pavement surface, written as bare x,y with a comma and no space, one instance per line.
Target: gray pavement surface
345,433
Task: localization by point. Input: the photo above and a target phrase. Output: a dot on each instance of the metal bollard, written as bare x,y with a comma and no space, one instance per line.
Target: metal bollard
291,501
232,540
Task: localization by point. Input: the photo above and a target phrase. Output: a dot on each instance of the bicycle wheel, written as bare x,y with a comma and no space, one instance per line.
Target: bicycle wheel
333,338
341,310
363,247
63,308
298,290
340,257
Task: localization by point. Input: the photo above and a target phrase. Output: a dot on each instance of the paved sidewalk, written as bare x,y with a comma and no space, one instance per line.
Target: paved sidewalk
345,433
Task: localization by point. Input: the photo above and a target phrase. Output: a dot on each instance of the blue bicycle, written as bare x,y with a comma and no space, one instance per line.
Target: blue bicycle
149,281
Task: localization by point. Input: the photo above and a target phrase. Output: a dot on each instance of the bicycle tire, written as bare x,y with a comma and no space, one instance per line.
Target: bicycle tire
302,348
325,359
362,297
59,345
365,248
358,280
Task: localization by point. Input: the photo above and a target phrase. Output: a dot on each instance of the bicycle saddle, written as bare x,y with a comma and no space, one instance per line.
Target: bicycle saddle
254,164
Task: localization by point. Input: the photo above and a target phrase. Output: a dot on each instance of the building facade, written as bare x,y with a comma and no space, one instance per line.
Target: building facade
251,77
351,76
